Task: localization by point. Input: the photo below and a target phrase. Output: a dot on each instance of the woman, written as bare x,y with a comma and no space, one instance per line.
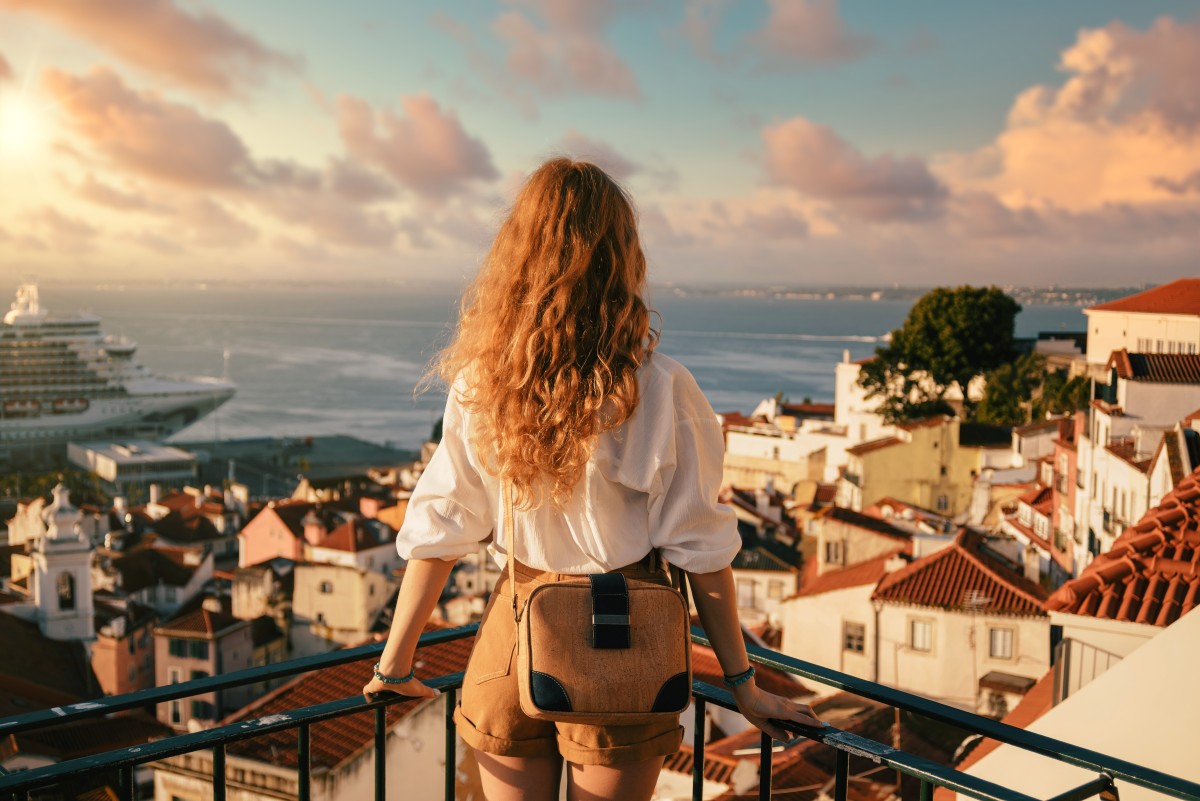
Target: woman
611,452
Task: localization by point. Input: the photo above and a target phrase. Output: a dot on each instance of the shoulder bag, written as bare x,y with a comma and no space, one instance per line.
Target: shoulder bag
603,648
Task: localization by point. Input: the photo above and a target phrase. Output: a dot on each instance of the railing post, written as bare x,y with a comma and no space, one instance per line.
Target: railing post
698,751
451,746
381,753
926,790
303,762
218,771
841,778
765,777
125,783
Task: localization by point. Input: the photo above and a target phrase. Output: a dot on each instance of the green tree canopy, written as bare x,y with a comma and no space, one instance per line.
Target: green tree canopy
950,337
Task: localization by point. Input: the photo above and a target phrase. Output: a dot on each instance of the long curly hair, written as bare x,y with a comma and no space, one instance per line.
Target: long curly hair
552,331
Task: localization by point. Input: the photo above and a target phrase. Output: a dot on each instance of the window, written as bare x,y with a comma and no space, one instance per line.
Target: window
199,674
132,645
920,635
326,587
775,590
1000,643
169,594
174,675
833,552
177,647
132,674
66,591
198,649
745,593
943,503
854,637
202,710
176,712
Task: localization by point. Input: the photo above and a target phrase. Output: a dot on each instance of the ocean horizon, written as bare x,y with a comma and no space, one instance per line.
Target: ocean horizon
347,360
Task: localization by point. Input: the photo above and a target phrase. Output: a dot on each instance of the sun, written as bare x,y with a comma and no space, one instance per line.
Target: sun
22,126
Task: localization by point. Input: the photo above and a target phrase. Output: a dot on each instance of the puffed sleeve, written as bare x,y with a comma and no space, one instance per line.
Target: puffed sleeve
695,531
449,512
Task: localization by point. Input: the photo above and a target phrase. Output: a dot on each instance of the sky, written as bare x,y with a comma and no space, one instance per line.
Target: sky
765,142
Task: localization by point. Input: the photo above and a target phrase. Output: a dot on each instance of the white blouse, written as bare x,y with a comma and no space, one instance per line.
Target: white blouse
653,482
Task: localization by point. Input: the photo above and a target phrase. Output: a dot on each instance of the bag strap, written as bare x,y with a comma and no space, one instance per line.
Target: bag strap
678,577
510,535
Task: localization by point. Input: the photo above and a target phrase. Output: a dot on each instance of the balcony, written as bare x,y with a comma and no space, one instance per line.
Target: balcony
203,753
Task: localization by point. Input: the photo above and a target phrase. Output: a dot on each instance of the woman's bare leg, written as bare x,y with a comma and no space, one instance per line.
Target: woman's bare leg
507,778
633,782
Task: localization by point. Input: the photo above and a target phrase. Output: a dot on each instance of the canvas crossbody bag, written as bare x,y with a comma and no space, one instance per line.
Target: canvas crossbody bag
602,648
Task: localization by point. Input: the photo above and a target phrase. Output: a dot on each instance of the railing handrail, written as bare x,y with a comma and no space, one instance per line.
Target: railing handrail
231,732
1003,732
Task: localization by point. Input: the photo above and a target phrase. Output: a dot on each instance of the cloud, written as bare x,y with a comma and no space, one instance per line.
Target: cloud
1189,184
148,135
700,20
357,183
199,50
1123,126
207,223
809,32
62,232
815,161
425,149
579,146
100,193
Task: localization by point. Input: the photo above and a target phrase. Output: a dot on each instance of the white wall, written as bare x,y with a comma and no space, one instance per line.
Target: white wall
1112,330
813,627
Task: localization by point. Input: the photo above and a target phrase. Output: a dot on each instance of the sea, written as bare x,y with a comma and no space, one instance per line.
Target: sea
320,360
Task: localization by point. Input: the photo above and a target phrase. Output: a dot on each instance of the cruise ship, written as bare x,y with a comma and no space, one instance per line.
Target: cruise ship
62,380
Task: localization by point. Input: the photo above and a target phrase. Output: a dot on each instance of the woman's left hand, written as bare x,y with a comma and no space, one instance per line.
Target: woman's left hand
761,708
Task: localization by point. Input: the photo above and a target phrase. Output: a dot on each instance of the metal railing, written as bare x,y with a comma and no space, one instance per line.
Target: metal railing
122,762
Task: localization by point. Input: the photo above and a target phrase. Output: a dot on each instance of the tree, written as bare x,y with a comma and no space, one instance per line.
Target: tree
1024,390
950,337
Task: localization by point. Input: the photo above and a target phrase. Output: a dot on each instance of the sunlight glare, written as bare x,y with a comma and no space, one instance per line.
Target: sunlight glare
22,128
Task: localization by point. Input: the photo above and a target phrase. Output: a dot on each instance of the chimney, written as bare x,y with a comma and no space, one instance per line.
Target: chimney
846,356
153,493
314,529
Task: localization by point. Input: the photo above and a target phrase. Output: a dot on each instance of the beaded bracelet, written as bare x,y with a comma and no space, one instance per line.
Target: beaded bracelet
739,678
390,680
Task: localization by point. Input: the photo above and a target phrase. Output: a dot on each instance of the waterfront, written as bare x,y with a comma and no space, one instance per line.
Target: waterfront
345,360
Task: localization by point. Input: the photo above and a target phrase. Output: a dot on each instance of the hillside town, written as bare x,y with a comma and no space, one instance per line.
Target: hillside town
1023,573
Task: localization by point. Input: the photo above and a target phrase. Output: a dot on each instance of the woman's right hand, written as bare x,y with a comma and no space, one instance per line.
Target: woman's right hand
761,707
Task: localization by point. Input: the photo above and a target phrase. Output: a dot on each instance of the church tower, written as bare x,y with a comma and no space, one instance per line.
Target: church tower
62,574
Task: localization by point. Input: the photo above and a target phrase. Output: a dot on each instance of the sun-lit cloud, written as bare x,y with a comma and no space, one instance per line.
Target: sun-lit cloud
1124,127
815,161
199,49
100,193
145,134
63,231
809,32
424,149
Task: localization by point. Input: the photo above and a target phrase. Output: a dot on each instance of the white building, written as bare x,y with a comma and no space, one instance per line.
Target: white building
1165,319
959,623
61,577
133,465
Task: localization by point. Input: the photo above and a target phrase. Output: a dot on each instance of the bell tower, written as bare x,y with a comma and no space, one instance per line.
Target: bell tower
62,574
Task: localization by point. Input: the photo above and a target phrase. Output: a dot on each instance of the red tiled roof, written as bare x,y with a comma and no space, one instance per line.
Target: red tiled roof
860,520
717,768
1181,296
1152,573
81,738
918,512
863,573
827,493
202,622
807,409
927,422
1126,451
1156,368
1039,496
335,741
963,575
873,445
706,668
148,566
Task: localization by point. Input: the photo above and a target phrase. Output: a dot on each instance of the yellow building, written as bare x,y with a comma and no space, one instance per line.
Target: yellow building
928,463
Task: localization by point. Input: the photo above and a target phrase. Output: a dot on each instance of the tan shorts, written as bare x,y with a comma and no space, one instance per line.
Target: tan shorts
489,715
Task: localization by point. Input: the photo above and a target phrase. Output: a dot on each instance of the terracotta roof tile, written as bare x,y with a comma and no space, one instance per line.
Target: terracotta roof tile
147,566
807,409
1126,451
1181,296
863,573
1151,574
81,738
1156,368
706,668
335,741
960,576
